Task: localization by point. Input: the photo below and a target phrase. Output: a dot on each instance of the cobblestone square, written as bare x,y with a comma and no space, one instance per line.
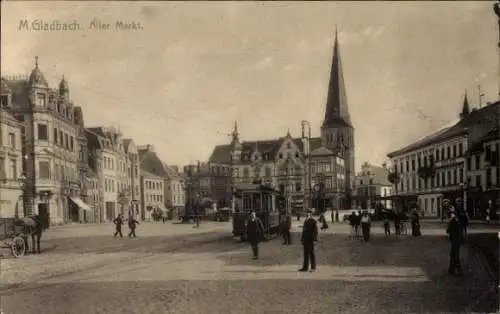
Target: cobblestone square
212,273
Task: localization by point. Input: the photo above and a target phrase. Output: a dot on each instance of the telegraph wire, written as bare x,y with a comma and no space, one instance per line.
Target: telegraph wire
87,88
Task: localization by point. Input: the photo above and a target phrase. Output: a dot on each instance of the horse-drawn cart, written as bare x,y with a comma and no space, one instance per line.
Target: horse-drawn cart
13,235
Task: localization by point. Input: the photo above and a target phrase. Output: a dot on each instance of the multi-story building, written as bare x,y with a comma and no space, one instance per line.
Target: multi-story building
49,144
11,202
106,148
152,194
434,167
280,163
133,164
287,163
483,175
79,208
152,165
175,194
94,195
95,145
372,186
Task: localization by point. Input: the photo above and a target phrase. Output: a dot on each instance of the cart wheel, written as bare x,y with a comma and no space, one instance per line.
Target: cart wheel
18,247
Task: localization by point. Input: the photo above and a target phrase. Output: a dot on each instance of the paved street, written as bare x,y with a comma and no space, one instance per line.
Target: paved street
178,269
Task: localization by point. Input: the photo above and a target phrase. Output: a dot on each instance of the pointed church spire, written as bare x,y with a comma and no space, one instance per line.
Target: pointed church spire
236,135
236,138
465,106
336,112
36,62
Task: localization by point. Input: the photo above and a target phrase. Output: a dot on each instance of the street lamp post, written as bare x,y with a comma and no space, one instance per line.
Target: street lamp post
463,187
305,123
22,185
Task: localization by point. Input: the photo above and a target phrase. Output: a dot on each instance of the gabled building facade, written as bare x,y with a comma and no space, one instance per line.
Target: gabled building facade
11,157
133,173
49,144
175,194
372,186
287,163
108,152
154,169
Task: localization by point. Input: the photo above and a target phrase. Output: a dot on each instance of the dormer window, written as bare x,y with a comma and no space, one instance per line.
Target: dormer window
297,155
41,100
4,99
255,156
280,156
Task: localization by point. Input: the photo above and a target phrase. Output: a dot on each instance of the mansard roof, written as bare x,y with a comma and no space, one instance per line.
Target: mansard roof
93,141
150,162
222,153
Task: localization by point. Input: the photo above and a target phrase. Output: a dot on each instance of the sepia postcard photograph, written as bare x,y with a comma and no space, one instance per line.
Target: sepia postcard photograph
249,157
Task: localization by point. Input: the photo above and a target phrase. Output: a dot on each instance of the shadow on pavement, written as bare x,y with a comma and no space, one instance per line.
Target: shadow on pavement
232,296
105,244
428,253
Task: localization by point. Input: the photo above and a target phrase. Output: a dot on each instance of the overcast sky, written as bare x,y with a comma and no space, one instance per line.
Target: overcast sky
194,68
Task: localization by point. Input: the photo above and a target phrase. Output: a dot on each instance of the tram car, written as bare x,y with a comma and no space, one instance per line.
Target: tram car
261,199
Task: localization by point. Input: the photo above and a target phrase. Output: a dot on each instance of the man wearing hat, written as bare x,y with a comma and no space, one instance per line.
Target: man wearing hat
309,236
454,231
254,233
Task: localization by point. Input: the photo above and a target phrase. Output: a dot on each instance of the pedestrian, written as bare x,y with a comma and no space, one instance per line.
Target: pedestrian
462,215
332,216
337,216
298,215
415,223
454,231
352,223
118,223
365,225
254,233
322,220
309,236
387,225
357,224
397,223
132,224
286,226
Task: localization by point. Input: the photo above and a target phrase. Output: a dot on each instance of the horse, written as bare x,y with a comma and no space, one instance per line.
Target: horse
33,227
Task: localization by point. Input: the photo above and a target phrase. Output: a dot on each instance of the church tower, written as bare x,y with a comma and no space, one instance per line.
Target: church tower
337,131
235,143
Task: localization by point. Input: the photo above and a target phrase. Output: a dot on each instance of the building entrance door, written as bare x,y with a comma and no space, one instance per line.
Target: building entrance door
44,214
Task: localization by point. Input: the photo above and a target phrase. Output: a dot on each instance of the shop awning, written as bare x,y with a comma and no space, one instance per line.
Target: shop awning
80,203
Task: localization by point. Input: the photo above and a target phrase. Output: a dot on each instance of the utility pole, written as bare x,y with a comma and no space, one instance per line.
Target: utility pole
307,153
480,95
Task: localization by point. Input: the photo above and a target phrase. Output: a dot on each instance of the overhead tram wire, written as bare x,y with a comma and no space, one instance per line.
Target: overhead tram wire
169,117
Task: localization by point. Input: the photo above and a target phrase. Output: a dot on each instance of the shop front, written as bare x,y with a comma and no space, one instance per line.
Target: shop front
11,203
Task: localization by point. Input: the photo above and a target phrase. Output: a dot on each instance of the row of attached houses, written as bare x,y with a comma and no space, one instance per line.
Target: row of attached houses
460,160
52,165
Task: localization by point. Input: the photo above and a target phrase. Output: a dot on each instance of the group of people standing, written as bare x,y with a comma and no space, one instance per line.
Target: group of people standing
255,233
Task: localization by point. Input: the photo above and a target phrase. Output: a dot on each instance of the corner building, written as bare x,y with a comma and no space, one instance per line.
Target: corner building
49,145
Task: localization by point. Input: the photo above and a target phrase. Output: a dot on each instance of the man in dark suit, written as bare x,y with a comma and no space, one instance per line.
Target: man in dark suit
286,225
309,236
255,232
455,232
